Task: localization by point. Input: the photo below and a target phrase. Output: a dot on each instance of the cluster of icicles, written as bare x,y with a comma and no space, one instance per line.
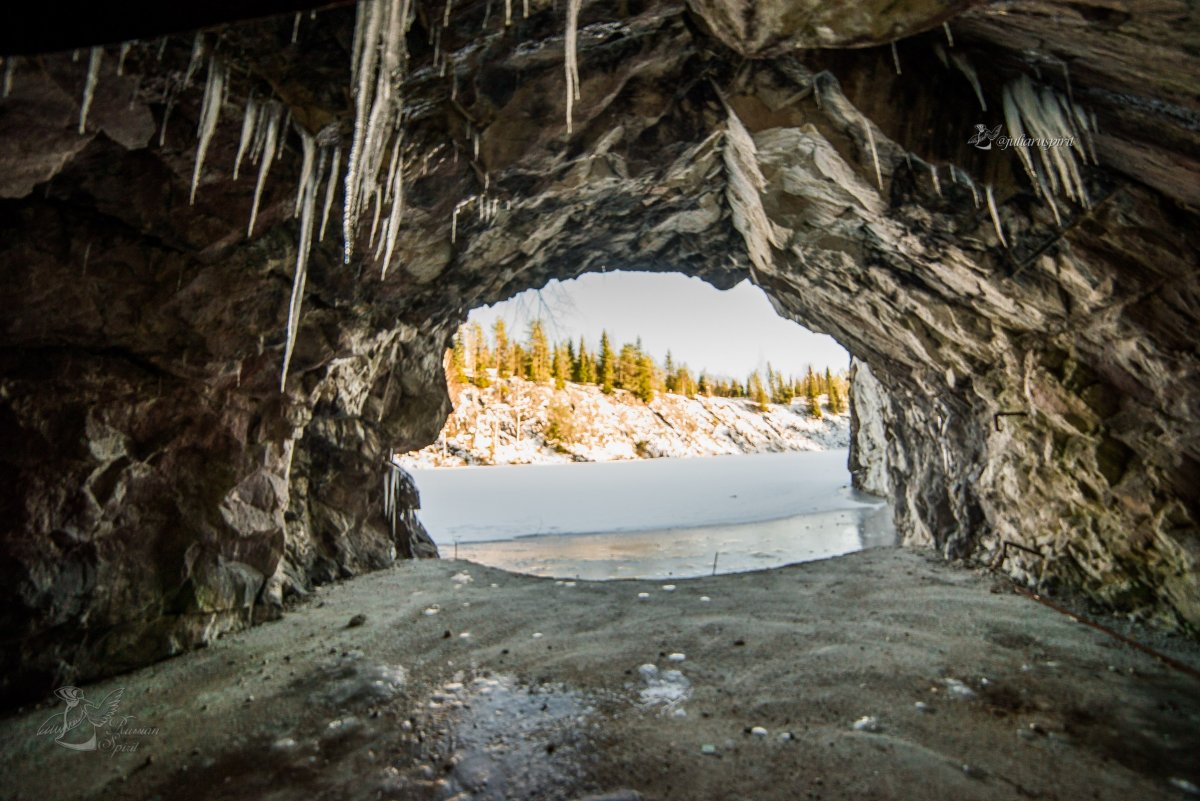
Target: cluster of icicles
1044,115
374,177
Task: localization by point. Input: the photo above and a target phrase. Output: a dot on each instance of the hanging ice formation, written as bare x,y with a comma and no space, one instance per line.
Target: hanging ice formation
937,184
330,190
248,123
210,112
949,35
874,154
89,86
272,112
991,201
309,181
379,62
1059,129
121,54
964,66
391,495
571,61
896,57
194,61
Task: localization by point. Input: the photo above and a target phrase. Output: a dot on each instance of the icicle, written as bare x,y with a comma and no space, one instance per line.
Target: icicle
308,145
162,132
896,57
1012,119
462,204
377,109
446,14
393,224
303,247
260,131
949,36
272,130
991,201
9,64
874,154
940,52
570,62
210,112
507,13
364,71
283,129
89,86
162,46
964,66
330,189
475,144
194,62
248,120
296,28
393,166
937,184
124,51
525,9
378,202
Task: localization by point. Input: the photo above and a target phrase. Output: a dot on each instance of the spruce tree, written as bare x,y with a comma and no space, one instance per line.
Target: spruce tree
643,380
539,353
458,358
812,394
606,369
757,392
561,367
503,350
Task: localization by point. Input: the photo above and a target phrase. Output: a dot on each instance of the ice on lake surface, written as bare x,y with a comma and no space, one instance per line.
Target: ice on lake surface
655,518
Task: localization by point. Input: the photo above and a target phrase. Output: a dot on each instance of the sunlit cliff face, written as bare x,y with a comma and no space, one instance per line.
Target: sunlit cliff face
200,393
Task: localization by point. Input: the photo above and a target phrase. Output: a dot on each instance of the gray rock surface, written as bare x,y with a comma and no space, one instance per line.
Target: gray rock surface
157,488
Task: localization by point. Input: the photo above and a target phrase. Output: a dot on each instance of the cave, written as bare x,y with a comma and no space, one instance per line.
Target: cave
210,353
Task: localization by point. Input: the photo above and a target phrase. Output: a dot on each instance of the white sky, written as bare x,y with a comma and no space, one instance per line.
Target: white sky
726,332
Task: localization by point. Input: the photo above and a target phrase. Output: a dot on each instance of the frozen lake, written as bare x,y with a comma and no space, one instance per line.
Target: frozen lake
652,519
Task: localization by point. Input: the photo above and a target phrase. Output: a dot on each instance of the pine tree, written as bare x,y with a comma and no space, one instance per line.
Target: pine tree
757,392
703,386
539,353
606,369
503,350
562,367
669,373
518,360
643,378
458,358
812,394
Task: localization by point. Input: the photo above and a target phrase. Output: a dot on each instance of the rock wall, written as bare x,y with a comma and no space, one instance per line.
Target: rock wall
1035,362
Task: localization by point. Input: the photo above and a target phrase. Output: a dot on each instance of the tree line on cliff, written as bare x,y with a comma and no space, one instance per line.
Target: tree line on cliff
479,359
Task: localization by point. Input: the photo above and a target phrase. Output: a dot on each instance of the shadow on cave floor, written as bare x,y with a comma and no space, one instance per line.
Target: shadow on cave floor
881,674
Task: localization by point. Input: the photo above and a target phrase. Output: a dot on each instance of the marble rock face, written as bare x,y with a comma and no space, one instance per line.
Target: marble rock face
1026,372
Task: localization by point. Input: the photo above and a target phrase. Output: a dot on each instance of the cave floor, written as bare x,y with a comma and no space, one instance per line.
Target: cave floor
467,682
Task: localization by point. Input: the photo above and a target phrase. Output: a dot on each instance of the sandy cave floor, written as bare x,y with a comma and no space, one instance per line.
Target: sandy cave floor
467,682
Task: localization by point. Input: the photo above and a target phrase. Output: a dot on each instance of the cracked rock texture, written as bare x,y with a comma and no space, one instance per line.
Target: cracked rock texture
157,488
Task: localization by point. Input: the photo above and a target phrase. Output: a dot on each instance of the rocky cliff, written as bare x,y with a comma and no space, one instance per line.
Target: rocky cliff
1029,315
514,421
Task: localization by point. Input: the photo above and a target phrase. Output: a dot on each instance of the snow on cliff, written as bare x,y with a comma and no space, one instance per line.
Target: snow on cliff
520,422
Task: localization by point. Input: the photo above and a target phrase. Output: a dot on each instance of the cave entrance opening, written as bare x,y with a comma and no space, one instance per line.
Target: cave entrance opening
643,425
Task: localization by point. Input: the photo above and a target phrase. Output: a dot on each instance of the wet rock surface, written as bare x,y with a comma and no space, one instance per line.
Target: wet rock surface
884,674
1036,364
